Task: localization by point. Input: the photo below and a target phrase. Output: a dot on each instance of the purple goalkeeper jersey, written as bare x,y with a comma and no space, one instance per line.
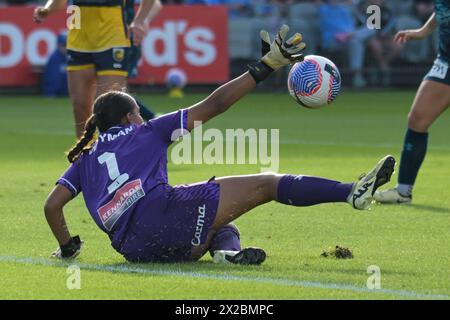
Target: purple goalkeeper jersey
126,163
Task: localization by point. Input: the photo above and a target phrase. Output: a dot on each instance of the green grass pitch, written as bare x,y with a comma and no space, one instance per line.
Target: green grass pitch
408,243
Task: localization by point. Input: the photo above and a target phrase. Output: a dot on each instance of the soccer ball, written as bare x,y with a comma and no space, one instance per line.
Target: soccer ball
176,78
314,82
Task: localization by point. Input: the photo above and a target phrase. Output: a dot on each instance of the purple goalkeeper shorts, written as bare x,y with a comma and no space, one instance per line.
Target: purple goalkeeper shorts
167,227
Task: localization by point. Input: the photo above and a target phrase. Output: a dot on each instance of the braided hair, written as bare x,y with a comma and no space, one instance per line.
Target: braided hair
82,144
109,110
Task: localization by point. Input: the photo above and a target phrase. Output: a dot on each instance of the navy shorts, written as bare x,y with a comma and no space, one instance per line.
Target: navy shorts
439,72
110,62
165,229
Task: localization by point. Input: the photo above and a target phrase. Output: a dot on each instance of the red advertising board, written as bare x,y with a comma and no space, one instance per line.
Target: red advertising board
191,38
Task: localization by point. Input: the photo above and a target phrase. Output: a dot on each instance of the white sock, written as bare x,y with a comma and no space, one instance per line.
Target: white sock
219,256
405,189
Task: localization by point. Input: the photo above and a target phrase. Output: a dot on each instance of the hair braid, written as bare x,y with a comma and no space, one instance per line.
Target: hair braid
81,146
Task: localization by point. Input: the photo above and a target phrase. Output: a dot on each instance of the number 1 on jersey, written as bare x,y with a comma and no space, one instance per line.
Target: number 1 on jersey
113,170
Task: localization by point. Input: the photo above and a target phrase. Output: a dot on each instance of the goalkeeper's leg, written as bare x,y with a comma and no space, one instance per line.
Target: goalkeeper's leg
225,247
240,194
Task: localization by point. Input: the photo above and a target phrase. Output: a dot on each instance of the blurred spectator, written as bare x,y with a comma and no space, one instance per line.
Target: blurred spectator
423,9
382,45
279,12
262,8
205,2
423,51
18,2
279,15
236,8
339,33
55,74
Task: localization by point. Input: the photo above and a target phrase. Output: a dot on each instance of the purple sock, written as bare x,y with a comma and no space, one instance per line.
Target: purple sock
303,191
227,238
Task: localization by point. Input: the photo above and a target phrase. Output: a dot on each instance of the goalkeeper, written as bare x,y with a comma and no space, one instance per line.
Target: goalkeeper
123,177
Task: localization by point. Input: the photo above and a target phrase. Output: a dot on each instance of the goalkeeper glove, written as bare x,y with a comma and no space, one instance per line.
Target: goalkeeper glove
69,250
277,54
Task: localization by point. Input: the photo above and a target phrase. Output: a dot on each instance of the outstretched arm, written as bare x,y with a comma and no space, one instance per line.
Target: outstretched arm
275,55
58,198
220,100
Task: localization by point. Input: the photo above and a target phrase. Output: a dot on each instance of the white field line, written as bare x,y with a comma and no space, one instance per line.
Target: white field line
196,275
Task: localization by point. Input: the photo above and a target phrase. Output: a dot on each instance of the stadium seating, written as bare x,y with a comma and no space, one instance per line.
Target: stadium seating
242,31
305,17
415,51
239,38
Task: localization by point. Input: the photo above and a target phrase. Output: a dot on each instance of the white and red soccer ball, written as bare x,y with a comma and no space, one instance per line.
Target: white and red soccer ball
314,82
